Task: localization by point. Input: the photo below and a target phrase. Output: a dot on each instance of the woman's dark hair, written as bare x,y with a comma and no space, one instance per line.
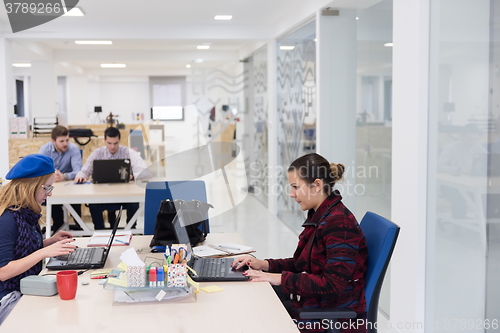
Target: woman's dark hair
112,132
313,166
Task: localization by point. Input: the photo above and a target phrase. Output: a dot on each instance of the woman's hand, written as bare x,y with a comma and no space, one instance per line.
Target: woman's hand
251,262
59,248
57,237
259,276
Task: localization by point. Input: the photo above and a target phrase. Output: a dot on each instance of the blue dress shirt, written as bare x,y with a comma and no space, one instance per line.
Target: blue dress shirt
68,162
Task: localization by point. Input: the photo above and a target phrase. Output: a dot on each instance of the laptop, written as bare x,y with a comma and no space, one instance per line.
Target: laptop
111,171
208,269
85,258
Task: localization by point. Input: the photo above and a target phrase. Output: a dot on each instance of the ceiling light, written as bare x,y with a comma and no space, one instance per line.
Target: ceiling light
388,44
357,18
315,39
203,47
113,65
188,66
75,11
19,64
287,48
198,61
223,17
93,42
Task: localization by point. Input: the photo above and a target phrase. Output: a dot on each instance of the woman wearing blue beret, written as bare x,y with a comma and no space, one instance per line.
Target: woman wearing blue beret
22,247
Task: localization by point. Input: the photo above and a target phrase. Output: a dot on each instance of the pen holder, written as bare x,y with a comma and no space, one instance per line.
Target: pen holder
177,276
136,276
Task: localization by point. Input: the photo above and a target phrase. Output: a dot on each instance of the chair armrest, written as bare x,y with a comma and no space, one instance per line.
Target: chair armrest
326,313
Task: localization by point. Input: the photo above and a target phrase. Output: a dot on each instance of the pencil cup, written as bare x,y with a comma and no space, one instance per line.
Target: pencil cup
136,276
67,283
177,276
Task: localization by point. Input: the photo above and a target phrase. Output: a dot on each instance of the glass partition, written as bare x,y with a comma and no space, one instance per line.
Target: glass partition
462,292
296,105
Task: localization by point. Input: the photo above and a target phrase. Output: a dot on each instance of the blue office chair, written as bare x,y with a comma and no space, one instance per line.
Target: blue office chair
158,191
381,235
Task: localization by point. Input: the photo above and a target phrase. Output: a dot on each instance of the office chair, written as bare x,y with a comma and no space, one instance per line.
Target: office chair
158,191
381,235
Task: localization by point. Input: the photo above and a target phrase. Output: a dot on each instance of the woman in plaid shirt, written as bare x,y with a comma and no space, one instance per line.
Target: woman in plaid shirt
329,265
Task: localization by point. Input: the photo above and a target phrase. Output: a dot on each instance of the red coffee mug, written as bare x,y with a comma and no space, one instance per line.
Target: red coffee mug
67,283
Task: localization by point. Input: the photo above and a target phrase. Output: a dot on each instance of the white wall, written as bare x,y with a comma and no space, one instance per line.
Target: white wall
123,96
77,90
409,160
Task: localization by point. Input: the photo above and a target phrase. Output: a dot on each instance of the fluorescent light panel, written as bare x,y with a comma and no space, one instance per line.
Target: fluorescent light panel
75,11
113,65
18,64
287,48
388,44
223,17
203,47
93,42
188,66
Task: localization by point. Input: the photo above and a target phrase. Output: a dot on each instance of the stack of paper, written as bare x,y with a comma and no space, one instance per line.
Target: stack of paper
221,250
101,238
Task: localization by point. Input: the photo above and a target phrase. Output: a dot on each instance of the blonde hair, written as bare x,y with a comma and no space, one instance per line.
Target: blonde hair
20,193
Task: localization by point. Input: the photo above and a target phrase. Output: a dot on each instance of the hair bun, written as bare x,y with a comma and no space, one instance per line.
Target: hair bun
337,171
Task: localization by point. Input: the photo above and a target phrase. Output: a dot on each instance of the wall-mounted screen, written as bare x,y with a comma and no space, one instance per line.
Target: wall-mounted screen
167,113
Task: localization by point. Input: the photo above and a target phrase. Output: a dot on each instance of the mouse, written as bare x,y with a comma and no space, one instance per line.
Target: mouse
241,269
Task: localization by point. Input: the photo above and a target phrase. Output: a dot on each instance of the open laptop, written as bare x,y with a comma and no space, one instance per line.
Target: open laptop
111,171
87,257
208,269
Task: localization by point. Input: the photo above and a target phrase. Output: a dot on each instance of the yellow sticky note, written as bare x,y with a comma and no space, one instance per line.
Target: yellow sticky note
212,289
122,266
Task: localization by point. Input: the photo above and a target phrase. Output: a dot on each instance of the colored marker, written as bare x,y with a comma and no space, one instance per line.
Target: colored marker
152,277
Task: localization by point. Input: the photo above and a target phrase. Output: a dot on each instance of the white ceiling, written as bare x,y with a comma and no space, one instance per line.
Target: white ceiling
160,36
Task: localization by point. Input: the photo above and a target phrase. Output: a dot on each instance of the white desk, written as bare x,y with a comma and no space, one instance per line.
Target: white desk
241,307
478,187
67,193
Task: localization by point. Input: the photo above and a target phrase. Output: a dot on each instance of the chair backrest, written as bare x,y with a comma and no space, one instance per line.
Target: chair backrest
158,191
136,142
381,235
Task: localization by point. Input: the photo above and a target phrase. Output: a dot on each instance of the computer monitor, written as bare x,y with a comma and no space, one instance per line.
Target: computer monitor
97,108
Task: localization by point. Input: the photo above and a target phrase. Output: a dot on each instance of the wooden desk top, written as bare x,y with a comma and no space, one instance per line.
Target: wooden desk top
69,189
241,307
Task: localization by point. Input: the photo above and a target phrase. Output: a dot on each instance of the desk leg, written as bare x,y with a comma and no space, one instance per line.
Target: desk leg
78,219
135,217
48,219
65,218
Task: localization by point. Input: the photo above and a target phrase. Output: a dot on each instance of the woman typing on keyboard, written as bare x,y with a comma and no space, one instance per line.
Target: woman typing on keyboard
329,264
22,247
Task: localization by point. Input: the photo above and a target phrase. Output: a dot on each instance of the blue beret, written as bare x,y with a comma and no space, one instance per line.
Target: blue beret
34,165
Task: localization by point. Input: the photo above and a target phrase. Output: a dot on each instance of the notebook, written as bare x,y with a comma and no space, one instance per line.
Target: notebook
111,171
88,257
208,269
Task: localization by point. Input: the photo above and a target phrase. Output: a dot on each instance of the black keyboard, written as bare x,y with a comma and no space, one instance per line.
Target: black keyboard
81,256
213,268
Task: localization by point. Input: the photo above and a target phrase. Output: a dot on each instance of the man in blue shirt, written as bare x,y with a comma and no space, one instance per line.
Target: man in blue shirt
67,161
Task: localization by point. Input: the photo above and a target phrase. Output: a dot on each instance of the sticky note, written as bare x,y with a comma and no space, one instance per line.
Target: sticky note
212,289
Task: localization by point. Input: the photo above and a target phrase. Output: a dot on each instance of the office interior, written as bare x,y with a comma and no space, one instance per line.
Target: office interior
382,86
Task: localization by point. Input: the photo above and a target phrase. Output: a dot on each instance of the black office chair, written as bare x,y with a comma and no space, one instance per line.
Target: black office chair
381,235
